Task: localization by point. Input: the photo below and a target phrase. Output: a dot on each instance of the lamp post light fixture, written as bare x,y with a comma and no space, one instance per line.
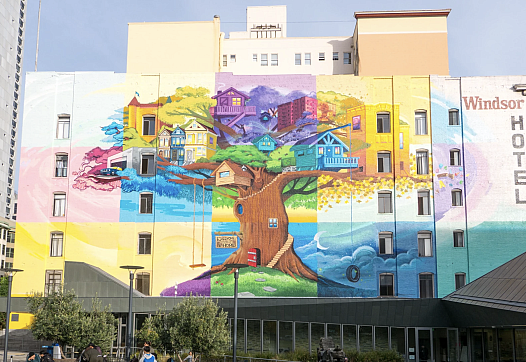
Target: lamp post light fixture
132,269
236,277
10,272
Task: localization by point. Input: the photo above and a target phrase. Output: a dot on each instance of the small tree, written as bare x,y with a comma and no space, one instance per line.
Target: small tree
61,318
197,324
99,326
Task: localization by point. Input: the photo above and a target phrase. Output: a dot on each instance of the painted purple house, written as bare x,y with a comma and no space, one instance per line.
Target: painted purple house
231,106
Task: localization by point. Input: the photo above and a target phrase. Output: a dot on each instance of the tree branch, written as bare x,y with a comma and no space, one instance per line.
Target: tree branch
226,195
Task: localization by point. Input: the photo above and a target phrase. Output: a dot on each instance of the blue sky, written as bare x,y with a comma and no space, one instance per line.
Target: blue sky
484,36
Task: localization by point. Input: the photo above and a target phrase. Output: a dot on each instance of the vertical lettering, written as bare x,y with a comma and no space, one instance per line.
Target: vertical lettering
514,122
518,199
519,160
518,137
520,179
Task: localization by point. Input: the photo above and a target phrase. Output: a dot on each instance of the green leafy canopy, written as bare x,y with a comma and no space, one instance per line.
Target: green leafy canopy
242,155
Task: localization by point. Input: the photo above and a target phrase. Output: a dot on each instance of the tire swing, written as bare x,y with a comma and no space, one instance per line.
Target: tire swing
353,273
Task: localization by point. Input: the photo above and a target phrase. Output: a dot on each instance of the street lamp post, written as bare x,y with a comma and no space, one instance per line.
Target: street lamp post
132,269
10,272
236,277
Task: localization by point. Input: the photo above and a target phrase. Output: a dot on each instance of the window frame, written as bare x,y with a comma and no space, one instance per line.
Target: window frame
321,56
425,244
146,203
264,59
454,157
383,163
456,198
385,192
147,156
389,287
422,167
63,120
383,119
64,170
455,120
50,284
59,200
388,249
297,58
458,242
421,204
150,119
307,59
255,57
56,245
144,243
460,277
274,62
335,55
143,276
420,280
225,60
347,58
421,123
232,58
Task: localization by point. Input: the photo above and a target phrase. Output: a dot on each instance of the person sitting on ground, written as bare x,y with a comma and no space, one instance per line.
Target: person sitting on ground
45,357
147,356
32,357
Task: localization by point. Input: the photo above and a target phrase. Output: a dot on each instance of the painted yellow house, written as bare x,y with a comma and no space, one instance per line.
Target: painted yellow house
201,141
379,125
144,118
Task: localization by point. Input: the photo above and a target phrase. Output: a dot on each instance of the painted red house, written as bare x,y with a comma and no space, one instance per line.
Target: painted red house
231,106
289,112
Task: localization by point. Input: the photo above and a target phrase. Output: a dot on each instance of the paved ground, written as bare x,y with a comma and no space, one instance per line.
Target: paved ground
16,356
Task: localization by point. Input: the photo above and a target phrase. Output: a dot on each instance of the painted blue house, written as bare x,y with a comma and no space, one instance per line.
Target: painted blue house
323,151
265,143
177,142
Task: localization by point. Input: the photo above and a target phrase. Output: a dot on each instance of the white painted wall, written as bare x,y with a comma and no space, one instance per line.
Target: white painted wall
286,48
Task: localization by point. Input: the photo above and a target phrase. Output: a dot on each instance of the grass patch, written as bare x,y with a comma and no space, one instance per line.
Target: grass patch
286,286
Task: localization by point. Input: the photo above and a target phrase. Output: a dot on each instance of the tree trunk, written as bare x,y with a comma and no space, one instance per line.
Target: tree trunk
264,224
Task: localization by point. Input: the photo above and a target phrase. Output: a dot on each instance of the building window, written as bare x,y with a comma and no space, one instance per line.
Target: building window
53,282
454,157
346,58
425,281
307,58
460,280
10,252
147,165
57,239
383,123
334,55
424,207
420,123
232,58
458,238
61,165
384,162
456,197
272,223
454,119
63,127
236,101
385,202
146,203
385,243
386,285
422,163
225,60
320,150
148,125
255,58
142,283
321,57
297,59
425,246
59,204
145,244
273,60
264,60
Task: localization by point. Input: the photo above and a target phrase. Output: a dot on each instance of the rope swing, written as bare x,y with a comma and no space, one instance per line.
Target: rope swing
193,265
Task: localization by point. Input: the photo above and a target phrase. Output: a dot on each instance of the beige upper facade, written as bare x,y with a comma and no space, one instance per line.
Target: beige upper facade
401,43
384,43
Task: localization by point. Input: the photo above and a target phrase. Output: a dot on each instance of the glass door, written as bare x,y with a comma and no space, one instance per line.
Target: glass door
425,345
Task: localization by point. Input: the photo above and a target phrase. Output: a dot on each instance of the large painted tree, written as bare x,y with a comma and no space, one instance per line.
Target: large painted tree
263,200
